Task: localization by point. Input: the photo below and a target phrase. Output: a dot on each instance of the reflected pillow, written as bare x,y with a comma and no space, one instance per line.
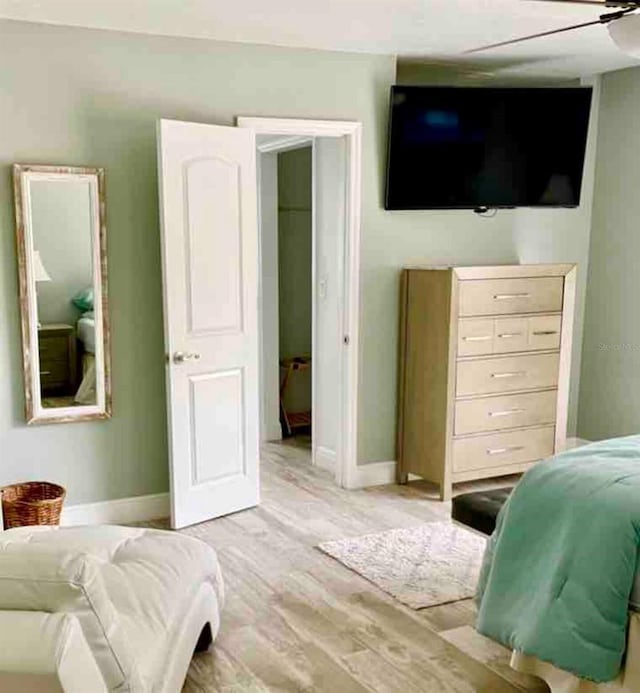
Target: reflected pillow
84,300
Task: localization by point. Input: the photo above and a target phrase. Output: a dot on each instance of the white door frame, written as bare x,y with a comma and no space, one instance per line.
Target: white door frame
267,180
347,454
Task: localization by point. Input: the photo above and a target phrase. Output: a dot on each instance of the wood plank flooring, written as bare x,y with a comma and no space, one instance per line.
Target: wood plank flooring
297,620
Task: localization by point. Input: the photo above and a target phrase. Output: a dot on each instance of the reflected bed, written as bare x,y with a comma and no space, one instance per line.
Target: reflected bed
86,333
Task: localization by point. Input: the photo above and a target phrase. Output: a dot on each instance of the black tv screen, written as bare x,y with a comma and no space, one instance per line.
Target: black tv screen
459,148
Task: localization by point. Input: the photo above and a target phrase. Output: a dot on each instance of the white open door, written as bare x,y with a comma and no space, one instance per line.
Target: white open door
208,207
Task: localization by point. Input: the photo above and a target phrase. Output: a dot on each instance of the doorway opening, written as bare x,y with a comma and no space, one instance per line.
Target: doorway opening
216,297
295,253
308,200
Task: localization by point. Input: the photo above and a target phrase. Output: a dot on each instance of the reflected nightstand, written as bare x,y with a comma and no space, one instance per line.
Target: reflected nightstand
58,360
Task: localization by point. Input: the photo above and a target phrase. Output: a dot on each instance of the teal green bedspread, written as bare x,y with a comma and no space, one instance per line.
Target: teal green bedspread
560,567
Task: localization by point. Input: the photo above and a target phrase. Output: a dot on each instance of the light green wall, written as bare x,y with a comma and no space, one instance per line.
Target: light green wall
294,251
62,233
610,385
94,100
294,269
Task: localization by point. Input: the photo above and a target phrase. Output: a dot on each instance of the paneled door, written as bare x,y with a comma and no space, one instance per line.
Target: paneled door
208,206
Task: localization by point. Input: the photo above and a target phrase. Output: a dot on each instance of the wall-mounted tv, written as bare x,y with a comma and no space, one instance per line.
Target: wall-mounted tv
467,148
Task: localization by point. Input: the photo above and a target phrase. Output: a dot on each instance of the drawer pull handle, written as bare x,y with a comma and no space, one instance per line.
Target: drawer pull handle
501,451
507,297
507,412
510,335
514,374
542,333
477,339
45,372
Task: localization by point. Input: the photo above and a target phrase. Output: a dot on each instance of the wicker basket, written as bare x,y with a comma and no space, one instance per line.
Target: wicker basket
32,503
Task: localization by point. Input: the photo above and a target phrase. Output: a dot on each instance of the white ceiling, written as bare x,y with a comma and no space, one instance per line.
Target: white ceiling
425,29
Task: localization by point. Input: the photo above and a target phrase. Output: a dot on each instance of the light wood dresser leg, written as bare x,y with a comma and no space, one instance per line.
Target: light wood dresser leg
446,491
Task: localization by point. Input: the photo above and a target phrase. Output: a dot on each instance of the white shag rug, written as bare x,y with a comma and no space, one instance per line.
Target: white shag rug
427,565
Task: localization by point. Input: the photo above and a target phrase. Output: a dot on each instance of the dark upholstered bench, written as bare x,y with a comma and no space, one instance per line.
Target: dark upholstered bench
480,509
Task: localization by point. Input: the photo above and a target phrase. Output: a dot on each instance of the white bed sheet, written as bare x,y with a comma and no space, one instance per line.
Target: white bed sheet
86,330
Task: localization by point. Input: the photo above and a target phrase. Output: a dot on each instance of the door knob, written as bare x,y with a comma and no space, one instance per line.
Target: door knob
181,357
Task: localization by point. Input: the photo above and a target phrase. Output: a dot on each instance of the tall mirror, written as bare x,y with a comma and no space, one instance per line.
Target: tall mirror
61,242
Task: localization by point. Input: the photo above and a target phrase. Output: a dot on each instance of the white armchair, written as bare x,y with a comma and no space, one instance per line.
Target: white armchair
104,608
46,653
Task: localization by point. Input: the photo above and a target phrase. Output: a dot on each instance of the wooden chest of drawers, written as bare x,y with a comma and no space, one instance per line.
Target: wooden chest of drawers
485,354
57,356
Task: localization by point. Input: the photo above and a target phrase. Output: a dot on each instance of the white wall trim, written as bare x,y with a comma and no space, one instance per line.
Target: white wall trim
325,458
284,144
346,471
374,474
119,511
301,127
268,294
314,313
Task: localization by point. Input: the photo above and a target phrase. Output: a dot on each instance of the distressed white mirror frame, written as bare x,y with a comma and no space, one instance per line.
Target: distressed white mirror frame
23,176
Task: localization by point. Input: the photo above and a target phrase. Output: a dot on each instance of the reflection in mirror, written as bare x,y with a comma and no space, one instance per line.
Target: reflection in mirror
63,272
62,266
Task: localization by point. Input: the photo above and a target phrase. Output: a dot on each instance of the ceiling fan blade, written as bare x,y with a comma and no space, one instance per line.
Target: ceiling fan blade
601,3
522,39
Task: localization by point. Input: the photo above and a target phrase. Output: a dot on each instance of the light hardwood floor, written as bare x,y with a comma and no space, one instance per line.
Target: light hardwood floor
297,620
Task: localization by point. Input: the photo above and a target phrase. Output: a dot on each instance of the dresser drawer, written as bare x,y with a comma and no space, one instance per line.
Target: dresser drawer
544,332
499,449
507,411
55,348
510,334
54,371
54,375
505,296
484,336
475,337
506,374
479,337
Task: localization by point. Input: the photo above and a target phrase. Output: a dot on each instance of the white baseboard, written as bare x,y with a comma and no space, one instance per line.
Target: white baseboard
325,458
153,507
375,474
120,511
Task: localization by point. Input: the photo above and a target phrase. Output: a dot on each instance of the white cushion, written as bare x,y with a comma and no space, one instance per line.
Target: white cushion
128,587
46,652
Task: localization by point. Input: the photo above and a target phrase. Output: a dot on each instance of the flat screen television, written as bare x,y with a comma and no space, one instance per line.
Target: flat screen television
468,148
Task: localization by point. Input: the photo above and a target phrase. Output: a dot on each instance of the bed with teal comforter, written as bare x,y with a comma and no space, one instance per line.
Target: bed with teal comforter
560,567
